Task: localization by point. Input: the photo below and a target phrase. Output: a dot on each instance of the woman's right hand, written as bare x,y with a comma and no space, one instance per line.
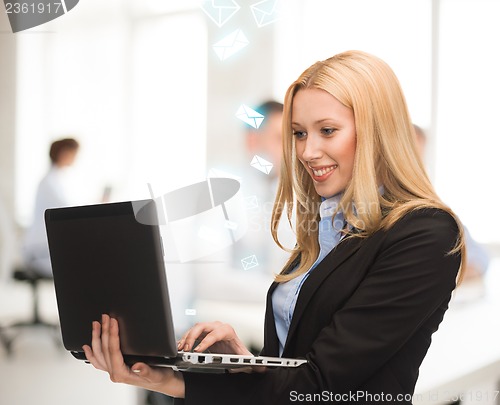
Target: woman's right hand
217,336
105,354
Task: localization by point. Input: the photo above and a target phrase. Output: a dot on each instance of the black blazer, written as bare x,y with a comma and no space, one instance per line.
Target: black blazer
363,320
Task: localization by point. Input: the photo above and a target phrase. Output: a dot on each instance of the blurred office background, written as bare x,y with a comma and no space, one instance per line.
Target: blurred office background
139,84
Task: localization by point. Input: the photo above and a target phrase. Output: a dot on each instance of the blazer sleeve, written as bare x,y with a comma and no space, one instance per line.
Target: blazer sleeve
411,277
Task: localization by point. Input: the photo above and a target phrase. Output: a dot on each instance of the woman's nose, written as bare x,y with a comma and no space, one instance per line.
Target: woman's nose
312,148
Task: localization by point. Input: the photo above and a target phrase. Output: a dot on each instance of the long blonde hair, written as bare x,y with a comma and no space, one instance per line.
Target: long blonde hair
386,155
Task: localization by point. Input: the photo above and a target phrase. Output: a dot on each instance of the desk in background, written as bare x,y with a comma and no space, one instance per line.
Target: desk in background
463,361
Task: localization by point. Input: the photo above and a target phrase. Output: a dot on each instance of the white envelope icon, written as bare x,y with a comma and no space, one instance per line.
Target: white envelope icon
261,164
249,262
251,202
190,311
266,12
230,44
251,117
220,11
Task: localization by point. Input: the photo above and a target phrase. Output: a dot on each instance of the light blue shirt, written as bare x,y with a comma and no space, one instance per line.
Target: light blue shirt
285,295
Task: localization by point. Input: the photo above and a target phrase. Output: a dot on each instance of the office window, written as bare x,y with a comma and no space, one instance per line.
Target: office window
398,32
130,86
467,141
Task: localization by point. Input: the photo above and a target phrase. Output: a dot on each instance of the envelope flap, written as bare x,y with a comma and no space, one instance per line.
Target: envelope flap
266,6
220,11
252,113
263,161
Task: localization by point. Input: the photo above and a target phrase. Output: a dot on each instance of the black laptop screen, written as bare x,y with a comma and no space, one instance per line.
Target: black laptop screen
105,261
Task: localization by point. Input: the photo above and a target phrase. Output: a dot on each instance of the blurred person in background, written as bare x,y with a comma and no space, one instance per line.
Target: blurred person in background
232,282
259,189
53,191
264,142
477,256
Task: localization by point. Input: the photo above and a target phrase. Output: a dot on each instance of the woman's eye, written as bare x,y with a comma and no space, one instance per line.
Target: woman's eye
299,134
328,131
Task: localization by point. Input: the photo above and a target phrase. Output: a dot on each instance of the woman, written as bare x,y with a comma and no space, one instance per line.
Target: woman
376,259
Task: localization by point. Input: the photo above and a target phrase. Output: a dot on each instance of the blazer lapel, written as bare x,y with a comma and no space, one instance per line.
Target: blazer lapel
332,261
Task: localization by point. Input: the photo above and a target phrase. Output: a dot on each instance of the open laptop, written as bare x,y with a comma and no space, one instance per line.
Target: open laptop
108,259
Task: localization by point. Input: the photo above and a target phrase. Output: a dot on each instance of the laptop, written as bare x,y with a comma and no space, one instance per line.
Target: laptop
109,259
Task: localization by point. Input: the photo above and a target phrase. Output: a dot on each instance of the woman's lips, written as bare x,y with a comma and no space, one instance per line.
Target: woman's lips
321,173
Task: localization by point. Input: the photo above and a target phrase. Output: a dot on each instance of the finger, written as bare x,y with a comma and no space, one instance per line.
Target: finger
209,340
92,358
105,341
96,350
140,374
119,370
200,330
151,375
182,341
247,370
182,345
222,332
259,369
158,379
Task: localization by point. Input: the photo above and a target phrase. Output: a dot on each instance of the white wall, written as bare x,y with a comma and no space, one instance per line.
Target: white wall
7,144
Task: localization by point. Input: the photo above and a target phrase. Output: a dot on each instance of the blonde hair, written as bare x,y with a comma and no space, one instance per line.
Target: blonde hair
385,155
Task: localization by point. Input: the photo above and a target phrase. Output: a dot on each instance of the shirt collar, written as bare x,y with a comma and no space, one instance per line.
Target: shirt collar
329,205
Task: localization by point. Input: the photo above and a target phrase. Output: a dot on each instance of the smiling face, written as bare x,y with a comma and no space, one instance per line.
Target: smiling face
325,139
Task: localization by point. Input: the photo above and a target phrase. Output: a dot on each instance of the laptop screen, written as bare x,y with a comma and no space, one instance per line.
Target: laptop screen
106,261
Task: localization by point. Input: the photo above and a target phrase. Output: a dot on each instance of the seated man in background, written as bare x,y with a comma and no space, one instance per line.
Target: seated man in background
52,192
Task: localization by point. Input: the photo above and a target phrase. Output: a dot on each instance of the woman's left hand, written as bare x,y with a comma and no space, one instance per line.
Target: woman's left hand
105,355
217,336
